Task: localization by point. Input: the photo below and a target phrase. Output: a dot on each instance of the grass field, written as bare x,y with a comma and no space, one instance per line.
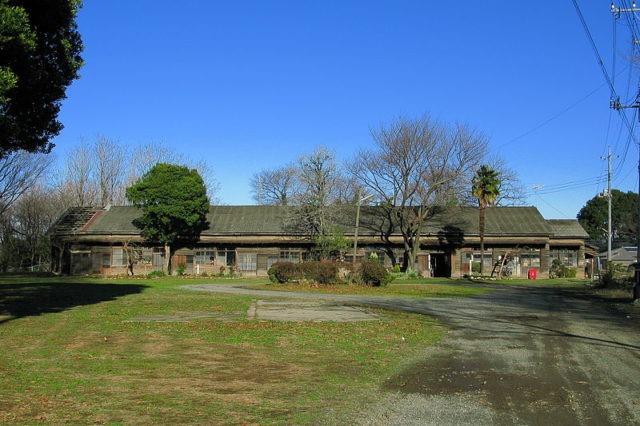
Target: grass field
70,355
422,290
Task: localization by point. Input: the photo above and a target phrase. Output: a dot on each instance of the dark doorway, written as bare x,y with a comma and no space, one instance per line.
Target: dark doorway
441,265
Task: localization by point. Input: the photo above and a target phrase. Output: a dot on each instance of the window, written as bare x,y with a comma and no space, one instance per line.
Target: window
205,256
487,260
530,260
226,257
248,261
158,256
566,256
146,256
290,256
118,257
271,260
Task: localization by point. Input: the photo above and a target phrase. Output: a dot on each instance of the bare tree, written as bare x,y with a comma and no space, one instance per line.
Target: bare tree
315,200
274,187
78,184
109,164
19,171
417,167
512,191
144,157
31,216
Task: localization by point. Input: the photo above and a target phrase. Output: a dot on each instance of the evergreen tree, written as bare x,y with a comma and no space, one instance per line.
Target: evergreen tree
39,57
174,204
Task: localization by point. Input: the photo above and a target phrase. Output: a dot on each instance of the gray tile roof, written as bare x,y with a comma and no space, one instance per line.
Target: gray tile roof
621,254
567,228
256,220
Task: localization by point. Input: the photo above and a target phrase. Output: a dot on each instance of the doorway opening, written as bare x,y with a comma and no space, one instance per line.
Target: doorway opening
441,265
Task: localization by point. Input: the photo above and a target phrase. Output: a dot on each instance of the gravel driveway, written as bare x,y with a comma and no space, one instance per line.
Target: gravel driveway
514,356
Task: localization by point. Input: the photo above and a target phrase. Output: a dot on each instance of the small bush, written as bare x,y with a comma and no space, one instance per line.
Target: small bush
616,276
181,268
156,274
560,270
320,272
282,272
396,269
475,267
222,270
374,274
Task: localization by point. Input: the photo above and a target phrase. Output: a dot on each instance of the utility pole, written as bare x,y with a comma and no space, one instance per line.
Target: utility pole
615,104
609,198
355,234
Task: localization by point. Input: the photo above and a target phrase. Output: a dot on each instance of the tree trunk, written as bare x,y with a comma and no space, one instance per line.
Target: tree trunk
410,252
60,258
166,267
482,219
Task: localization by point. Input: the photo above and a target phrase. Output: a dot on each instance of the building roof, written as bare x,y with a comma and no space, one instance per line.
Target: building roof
567,228
622,254
272,220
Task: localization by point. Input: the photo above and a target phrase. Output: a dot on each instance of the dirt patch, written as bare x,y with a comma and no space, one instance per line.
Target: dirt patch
184,316
291,311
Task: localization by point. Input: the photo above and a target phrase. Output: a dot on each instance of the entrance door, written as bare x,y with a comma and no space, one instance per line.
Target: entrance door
441,265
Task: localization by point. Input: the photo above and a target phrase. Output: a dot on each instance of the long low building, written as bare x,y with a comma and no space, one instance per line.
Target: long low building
249,239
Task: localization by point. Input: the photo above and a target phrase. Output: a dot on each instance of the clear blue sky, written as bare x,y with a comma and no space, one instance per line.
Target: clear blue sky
251,85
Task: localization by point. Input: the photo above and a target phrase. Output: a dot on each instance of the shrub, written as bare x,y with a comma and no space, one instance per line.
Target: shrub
558,269
282,272
181,268
475,267
374,274
396,269
320,272
156,274
222,270
616,276
570,273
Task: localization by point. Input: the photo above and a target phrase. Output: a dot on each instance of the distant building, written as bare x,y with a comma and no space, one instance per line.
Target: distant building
249,239
622,256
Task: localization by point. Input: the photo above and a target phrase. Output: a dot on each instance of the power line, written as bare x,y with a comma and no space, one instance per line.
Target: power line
614,95
553,117
552,206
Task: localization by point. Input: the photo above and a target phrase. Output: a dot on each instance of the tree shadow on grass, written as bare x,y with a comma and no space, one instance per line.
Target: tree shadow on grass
37,298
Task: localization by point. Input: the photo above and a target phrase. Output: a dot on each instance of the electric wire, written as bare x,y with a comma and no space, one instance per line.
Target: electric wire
553,117
600,62
553,207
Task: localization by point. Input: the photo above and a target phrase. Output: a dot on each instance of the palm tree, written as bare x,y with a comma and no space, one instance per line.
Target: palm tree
486,188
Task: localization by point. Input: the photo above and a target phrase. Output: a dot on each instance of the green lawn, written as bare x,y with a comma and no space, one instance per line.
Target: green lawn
70,356
559,282
422,290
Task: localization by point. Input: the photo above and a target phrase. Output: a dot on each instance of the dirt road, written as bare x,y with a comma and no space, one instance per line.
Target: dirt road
515,356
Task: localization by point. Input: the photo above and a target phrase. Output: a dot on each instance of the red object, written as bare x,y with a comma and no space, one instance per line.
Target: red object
533,274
